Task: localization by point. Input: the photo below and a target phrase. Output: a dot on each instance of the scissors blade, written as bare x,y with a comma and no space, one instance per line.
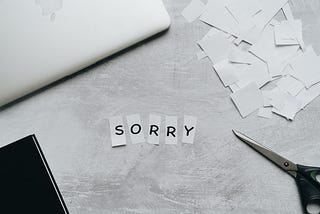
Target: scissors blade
280,161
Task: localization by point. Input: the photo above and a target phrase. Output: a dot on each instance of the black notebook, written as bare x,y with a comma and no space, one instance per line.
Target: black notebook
26,182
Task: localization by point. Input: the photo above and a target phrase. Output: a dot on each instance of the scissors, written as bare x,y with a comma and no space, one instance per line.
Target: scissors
307,177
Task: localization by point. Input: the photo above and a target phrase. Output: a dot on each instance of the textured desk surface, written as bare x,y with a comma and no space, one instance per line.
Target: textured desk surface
218,174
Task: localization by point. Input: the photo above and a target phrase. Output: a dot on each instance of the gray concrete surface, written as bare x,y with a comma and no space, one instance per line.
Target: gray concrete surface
218,174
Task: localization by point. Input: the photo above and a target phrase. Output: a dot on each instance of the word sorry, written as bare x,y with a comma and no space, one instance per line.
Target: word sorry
118,133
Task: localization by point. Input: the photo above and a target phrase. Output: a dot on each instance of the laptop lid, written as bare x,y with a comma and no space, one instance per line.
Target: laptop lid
45,40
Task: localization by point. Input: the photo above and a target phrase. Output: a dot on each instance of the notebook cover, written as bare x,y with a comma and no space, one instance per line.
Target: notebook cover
26,182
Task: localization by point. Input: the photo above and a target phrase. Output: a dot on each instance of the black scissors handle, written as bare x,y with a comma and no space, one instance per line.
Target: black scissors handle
308,185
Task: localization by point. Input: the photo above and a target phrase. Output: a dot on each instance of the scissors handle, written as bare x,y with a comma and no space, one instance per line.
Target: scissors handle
308,185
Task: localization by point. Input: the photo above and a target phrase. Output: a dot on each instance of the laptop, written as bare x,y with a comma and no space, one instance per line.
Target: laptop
42,41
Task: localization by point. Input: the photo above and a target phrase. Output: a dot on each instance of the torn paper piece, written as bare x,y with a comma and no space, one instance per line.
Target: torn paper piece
287,70
275,97
217,15
237,56
189,129
234,87
135,128
247,99
243,12
118,137
211,32
216,47
226,72
266,49
256,72
307,95
287,11
265,113
297,26
154,129
285,34
306,67
171,130
193,10
276,67
201,55
243,8
269,9
291,107
266,98
290,84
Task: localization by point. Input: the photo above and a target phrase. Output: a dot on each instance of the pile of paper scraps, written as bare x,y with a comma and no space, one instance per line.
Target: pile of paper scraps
264,62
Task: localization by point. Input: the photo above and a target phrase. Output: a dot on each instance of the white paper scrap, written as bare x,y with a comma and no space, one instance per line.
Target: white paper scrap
189,129
193,10
216,47
247,99
201,55
154,129
237,56
265,113
307,95
290,84
217,15
226,72
287,11
269,9
297,26
135,128
285,34
118,137
171,130
306,67
234,87
256,72
291,107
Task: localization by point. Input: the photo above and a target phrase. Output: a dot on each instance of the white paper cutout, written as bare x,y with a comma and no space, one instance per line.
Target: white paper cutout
135,128
247,99
118,137
171,130
265,112
189,129
216,47
226,72
154,129
193,10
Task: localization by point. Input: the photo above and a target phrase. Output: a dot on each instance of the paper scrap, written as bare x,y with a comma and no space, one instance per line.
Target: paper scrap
290,84
135,128
306,67
154,129
305,96
189,129
217,15
287,11
118,137
171,130
226,72
216,47
237,56
256,72
234,87
265,112
285,34
291,107
193,10
201,55
247,99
